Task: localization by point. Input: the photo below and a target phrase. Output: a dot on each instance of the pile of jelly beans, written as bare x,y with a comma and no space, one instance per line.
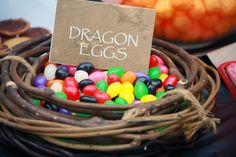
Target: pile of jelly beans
84,83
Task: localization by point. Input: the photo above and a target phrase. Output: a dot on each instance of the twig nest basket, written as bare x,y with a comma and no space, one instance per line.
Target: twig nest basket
171,121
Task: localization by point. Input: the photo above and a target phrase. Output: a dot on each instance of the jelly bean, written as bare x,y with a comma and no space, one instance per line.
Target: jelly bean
137,102
71,92
113,78
160,89
105,74
56,87
86,66
42,103
50,71
70,81
36,102
72,70
90,99
151,89
171,80
140,90
41,87
119,71
129,76
61,95
50,82
40,81
164,69
159,60
153,61
84,83
157,83
80,75
101,97
64,67
96,76
169,87
160,94
61,74
50,106
114,89
121,101
109,102
64,111
102,85
127,86
139,74
128,96
83,115
148,98
90,90
163,77
143,80
154,73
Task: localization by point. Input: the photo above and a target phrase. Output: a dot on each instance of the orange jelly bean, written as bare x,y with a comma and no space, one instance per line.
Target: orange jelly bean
129,76
50,82
161,89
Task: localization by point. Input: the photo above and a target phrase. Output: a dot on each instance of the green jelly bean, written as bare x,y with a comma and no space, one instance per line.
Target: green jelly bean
61,95
154,73
121,101
109,102
83,115
162,128
140,90
119,71
102,85
160,94
36,102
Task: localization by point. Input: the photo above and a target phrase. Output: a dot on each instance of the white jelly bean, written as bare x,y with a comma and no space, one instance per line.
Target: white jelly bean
80,75
49,71
56,87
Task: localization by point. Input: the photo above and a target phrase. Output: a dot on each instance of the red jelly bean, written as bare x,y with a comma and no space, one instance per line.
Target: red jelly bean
72,92
112,78
171,80
101,97
70,81
153,61
90,90
72,70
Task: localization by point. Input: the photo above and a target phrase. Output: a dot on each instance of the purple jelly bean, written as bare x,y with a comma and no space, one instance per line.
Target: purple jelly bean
139,74
40,81
41,87
64,111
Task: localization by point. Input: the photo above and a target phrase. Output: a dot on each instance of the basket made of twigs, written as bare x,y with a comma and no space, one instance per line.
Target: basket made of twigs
159,126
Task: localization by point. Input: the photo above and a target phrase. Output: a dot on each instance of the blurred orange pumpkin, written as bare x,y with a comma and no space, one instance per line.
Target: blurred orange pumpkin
191,20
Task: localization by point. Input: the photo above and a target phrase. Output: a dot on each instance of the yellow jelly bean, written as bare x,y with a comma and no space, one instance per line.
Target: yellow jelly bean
148,98
163,77
128,96
127,86
114,89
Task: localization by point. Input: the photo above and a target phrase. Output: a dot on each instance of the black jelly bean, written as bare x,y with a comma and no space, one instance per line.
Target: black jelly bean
169,87
84,83
142,79
50,106
61,74
152,89
86,66
157,83
90,99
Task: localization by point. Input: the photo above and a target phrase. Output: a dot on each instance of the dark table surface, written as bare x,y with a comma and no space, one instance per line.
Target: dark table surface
222,144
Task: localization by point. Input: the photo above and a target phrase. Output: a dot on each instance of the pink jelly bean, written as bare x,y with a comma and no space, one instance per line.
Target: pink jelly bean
160,61
72,70
164,69
96,76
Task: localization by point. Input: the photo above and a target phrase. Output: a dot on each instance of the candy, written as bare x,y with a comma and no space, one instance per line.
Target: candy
50,71
139,74
36,102
119,71
163,68
114,89
71,92
41,87
56,87
50,106
169,87
136,102
40,81
72,70
121,101
90,90
129,76
160,94
113,78
50,82
140,90
153,61
102,85
109,102
127,86
154,73
142,79
80,75
128,96
64,111
159,60
90,99
171,80
61,74
148,98
157,83
96,76
86,66
163,77
151,89
101,97
160,89
64,67
84,83
70,81
61,95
